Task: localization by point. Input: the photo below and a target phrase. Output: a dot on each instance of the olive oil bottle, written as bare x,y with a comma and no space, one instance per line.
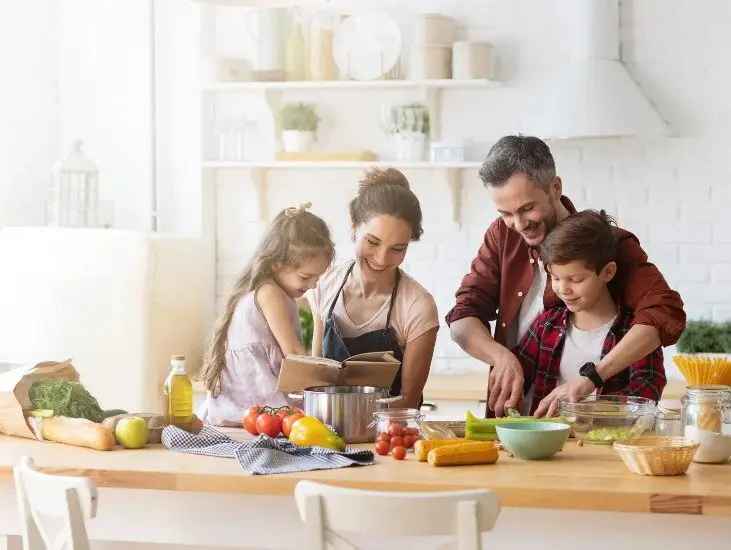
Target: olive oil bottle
179,392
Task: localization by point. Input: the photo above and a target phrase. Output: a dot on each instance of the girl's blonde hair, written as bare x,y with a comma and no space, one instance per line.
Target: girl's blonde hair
294,236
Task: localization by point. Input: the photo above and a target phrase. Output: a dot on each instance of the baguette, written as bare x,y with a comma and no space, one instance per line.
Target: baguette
78,431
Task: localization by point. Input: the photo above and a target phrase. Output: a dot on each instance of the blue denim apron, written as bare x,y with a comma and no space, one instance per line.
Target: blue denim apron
335,346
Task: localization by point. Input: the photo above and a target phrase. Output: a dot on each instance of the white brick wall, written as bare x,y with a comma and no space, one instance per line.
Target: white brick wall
674,193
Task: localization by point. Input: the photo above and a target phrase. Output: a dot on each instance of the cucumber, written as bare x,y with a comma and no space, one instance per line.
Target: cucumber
483,429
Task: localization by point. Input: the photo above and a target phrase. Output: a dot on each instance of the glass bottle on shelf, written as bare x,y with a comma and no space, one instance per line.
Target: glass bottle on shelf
322,63
294,63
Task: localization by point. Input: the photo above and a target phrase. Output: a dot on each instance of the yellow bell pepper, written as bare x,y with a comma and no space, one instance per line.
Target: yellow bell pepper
309,431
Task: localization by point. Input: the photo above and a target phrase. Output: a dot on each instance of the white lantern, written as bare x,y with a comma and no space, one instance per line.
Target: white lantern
73,199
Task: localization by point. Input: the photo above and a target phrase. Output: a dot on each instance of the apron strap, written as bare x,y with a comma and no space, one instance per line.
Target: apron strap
337,294
393,298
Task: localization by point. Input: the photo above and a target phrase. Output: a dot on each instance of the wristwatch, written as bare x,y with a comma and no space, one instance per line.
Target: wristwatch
589,370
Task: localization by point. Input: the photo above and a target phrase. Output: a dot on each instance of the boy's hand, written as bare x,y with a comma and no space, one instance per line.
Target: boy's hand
570,391
506,384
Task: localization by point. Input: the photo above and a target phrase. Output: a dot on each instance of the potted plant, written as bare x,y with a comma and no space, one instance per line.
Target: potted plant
409,126
299,124
705,337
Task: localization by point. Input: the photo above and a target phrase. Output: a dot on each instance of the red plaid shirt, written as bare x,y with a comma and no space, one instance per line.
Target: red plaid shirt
541,348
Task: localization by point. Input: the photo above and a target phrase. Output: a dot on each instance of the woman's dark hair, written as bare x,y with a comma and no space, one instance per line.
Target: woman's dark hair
588,236
386,192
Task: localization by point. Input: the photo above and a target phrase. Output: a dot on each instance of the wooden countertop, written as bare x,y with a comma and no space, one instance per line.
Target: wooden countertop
583,478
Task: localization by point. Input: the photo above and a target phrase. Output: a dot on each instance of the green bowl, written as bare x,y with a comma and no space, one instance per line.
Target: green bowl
533,440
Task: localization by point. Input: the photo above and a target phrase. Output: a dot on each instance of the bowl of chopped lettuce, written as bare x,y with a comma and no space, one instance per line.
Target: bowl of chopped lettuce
604,419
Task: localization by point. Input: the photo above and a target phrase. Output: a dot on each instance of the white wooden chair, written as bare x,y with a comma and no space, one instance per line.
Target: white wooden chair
53,508
327,511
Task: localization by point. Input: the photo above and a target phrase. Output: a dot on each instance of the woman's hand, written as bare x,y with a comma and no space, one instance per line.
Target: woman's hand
572,391
415,367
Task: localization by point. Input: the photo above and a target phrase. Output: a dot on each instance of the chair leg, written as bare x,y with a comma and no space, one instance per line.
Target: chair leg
314,526
468,532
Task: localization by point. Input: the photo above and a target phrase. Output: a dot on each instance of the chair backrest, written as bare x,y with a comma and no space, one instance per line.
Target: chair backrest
53,508
327,510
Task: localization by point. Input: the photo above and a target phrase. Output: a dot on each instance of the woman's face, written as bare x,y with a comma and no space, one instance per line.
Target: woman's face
381,243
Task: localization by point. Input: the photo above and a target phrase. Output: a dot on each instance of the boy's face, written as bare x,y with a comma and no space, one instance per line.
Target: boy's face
579,286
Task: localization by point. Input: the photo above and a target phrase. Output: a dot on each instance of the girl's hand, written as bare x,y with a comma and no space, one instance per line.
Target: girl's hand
572,391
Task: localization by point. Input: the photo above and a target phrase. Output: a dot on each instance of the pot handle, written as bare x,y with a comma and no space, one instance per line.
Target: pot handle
381,400
298,395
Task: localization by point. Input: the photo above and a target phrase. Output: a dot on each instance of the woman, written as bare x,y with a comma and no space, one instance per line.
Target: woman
369,304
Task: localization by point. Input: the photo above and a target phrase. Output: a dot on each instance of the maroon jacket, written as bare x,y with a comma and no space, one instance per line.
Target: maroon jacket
541,349
502,273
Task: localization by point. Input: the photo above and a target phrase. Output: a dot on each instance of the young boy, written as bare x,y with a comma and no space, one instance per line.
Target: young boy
560,351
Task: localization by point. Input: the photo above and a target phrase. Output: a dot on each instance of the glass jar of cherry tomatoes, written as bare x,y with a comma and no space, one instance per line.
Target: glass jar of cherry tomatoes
397,428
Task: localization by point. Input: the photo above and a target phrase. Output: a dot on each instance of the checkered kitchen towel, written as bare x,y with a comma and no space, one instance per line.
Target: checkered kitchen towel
263,455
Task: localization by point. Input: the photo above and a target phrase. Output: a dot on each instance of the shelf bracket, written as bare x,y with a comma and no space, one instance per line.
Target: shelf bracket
453,177
260,182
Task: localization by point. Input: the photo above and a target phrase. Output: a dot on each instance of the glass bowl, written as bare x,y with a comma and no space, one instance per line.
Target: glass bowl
604,419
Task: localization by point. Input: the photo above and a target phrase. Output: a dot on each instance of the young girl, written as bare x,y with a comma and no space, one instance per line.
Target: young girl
369,304
261,322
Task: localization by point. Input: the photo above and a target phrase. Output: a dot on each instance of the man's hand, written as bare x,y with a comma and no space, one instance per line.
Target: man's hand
570,391
506,384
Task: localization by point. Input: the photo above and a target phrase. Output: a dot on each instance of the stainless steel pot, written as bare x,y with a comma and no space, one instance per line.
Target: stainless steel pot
348,409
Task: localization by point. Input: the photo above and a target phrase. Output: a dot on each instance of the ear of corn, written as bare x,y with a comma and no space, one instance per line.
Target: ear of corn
423,446
471,452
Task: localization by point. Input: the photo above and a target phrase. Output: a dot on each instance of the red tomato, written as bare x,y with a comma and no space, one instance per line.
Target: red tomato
256,409
411,431
269,424
289,421
382,447
397,441
394,428
399,453
249,423
409,441
384,436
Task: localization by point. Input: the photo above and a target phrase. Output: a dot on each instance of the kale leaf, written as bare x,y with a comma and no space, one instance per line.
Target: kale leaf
65,399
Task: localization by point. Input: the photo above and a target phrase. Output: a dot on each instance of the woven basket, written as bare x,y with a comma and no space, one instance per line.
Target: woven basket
657,455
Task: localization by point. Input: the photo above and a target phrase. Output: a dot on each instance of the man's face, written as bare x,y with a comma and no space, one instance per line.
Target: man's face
528,208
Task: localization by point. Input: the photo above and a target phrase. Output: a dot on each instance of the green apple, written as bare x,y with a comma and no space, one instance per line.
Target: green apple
131,432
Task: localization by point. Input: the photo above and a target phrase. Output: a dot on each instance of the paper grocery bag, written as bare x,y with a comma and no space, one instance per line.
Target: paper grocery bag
376,368
14,386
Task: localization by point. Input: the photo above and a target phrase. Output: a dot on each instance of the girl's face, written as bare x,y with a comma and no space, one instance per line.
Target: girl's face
381,243
296,280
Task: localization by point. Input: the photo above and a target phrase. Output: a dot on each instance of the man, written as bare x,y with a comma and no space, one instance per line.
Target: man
507,282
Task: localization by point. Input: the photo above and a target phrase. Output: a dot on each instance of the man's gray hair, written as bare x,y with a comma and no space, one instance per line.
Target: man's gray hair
518,154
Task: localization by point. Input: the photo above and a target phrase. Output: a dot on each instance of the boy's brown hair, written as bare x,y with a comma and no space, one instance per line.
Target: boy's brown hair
588,236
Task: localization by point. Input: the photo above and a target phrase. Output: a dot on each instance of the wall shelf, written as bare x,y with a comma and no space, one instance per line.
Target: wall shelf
256,175
341,164
351,85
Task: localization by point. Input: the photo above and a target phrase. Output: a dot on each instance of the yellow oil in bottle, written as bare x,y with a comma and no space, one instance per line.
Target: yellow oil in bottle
179,392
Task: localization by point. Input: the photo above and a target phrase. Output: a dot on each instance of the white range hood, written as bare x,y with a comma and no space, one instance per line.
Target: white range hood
592,94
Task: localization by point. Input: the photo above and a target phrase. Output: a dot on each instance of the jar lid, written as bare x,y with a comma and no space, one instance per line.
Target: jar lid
398,414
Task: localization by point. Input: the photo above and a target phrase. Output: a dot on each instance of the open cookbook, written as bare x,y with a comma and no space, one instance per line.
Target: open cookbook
376,368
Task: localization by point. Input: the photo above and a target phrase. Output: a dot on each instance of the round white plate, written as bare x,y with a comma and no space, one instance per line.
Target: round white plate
367,46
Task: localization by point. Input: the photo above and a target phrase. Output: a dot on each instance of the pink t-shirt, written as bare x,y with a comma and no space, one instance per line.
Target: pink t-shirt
414,311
